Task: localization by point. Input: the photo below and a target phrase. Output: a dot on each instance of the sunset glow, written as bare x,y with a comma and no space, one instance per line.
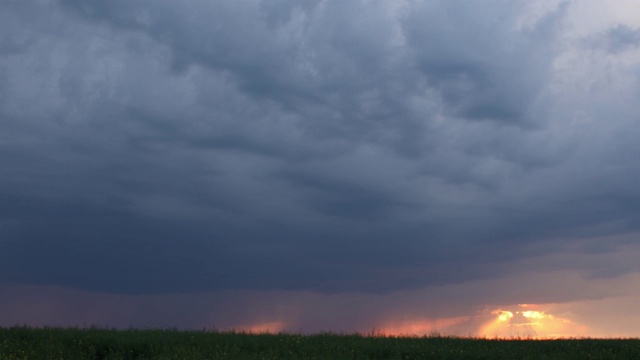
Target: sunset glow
535,315
514,321
503,315
530,324
273,327
420,327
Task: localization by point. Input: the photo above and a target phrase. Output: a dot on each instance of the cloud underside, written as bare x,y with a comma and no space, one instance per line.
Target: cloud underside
544,304
162,147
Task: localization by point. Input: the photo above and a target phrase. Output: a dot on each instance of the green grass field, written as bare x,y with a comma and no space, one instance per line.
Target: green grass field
55,343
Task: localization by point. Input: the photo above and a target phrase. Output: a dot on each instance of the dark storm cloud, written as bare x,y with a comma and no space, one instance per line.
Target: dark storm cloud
478,68
162,146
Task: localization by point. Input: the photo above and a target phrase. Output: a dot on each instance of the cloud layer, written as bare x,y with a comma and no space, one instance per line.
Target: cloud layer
159,147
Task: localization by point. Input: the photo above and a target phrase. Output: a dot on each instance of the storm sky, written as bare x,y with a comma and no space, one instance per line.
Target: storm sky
284,165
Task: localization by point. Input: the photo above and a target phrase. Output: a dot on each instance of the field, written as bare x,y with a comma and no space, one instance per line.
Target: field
96,344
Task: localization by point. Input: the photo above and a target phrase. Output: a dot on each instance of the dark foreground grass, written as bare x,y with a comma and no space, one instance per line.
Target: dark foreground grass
96,344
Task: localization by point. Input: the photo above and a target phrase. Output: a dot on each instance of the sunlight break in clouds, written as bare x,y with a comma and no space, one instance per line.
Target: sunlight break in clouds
520,322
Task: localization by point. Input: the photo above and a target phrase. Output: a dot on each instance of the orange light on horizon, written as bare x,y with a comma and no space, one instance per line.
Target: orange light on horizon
530,324
272,327
419,327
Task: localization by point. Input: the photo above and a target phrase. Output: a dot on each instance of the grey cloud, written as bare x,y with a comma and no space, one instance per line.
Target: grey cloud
343,199
622,38
15,38
311,70
616,40
332,146
486,69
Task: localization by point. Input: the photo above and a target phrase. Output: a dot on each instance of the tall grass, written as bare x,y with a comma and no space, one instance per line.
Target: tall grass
97,344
